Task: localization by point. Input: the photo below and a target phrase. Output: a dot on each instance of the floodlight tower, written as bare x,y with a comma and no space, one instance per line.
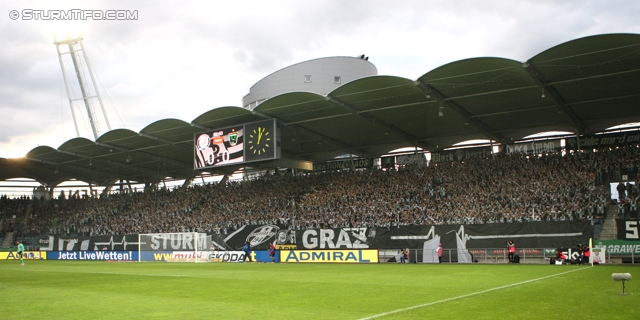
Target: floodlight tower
89,91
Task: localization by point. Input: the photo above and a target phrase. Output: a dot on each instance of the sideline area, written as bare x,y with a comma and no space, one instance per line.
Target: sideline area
468,295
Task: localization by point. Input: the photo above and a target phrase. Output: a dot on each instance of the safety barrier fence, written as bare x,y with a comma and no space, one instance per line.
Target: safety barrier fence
500,255
525,255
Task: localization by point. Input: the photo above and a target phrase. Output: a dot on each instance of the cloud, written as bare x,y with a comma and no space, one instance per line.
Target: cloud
180,59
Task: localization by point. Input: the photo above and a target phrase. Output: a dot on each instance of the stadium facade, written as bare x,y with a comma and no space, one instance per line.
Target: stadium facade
319,76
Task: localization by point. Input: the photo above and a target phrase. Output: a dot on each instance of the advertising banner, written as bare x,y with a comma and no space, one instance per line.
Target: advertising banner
628,229
618,247
330,256
31,255
177,256
227,256
94,255
598,255
208,256
572,253
263,256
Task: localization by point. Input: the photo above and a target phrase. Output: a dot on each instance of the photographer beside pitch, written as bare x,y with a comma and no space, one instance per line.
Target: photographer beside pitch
511,249
560,257
586,253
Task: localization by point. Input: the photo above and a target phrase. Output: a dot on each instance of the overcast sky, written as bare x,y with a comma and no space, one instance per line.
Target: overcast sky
181,59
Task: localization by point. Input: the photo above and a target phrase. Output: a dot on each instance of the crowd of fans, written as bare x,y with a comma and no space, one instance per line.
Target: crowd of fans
498,189
10,212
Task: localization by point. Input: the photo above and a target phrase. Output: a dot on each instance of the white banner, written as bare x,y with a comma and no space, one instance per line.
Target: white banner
598,255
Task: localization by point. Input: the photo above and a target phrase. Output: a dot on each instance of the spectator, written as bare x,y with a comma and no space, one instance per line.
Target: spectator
500,189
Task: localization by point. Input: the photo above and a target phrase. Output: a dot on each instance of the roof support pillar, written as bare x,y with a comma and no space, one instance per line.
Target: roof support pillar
187,183
107,189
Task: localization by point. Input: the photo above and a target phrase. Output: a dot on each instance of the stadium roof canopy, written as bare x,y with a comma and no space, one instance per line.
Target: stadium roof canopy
582,86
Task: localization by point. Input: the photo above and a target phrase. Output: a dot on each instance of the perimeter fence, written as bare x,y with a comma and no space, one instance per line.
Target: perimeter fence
499,255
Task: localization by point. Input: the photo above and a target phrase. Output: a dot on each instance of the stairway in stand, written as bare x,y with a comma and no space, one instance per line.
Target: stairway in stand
8,240
609,231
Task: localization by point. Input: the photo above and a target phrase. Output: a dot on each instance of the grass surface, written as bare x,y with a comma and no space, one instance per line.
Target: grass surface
102,290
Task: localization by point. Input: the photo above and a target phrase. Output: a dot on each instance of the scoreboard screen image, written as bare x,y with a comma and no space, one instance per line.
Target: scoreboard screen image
219,148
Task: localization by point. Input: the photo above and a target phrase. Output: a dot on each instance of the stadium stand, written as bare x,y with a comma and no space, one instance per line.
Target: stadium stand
498,189
496,99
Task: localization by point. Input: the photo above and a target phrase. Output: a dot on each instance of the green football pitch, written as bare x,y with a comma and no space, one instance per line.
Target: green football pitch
107,290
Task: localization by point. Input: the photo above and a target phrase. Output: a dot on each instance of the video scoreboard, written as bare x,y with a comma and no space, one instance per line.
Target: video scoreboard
250,142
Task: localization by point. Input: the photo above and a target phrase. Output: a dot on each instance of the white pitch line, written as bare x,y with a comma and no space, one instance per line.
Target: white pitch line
466,295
